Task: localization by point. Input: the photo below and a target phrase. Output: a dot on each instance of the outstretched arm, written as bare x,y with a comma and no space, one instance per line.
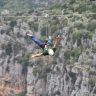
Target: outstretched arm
57,41
36,55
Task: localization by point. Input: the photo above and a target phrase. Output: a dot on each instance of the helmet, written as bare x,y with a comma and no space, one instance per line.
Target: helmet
51,52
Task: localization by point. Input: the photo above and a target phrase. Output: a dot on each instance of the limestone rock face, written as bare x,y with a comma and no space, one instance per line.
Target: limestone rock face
54,76
5,12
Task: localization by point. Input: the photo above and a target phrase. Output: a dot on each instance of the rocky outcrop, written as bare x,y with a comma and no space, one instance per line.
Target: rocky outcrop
46,76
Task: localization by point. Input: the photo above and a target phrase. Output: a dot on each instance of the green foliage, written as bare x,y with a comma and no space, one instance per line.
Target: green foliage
94,49
2,3
82,8
94,16
43,31
31,11
57,6
30,23
35,70
75,7
64,6
9,48
67,53
64,22
70,30
21,94
92,81
72,1
28,40
88,61
76,52
35,26
38,13
92,73
77,36
67,78
53,28
55,11
73,76
2,31
43,38
25,59
79,25
54,62
91,26
89,35
94,7
13,23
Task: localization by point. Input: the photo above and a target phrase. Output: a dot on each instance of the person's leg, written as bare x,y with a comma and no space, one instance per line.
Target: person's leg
50,40
37,41
56,42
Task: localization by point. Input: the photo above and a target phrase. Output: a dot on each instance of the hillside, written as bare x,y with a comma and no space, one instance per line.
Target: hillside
19,5
70,72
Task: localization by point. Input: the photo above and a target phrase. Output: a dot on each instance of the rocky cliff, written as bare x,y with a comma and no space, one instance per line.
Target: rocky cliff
71,72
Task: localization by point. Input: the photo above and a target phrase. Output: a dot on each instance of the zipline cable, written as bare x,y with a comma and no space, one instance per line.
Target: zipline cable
51,15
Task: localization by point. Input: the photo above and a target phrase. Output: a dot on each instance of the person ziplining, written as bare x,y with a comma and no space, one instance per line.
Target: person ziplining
43,45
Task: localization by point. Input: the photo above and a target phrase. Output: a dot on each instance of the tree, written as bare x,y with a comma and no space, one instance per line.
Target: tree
9,48
72,1
91,26
43,31
13,23
79,25
82,8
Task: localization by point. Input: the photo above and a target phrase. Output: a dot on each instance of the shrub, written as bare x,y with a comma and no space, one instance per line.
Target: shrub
92,81
72,1
89,35
28,40
94,16
88,61
43,31
43,38
76,6
91,26
13,23
30,23
71,30
35,70
35,26
94,49
31,11
94,7
76,52
21,94
77,36
2,31
67,53
9,48
53,29
25,59
64,5
64,22
92,73
79,25
82,8
73,76
38,13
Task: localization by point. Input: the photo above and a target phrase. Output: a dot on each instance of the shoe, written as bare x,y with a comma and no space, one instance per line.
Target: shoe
29,35
49,41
